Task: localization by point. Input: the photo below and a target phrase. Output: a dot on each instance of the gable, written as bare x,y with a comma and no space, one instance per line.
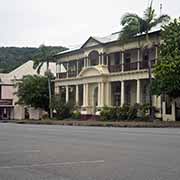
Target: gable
90,43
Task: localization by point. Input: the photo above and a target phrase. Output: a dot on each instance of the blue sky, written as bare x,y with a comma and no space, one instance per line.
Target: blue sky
67,22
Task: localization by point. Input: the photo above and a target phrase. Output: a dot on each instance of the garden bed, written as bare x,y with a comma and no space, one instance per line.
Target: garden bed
140,124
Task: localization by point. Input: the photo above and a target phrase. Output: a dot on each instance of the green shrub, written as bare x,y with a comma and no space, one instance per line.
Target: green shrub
143,111
76,115
108,113
133,112
119,113
63,110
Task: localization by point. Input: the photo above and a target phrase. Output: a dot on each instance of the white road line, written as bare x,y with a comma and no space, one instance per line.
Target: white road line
52,164
19,152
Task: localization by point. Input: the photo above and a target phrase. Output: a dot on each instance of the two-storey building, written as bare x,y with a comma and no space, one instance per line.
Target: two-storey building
108,72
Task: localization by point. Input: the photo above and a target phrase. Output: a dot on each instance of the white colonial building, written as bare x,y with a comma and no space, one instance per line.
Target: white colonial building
108,72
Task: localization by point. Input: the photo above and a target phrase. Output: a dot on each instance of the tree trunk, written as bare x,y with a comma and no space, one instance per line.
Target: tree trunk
151,114
50,94
50,98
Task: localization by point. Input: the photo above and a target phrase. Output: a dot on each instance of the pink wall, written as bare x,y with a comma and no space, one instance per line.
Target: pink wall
7,92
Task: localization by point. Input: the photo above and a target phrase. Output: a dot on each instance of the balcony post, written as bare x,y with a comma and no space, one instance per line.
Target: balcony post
138,58
99,58
103,55
87,61
67,75
77,68
138,101
122,55
107,60
122,93
67,94
84,62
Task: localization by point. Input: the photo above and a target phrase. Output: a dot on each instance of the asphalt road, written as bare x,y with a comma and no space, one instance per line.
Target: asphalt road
40,152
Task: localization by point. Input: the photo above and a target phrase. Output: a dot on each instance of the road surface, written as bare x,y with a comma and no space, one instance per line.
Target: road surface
45,152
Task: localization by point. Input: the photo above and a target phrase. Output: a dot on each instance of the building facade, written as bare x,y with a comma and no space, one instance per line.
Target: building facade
8,107
108,72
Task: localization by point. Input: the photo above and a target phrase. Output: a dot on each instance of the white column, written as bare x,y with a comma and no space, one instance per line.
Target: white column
122,58
84,94
77,94
67,70
103,58
77,64
87,95
67,94
99,59
84,62
108,94
107,59
138,100
122,93
99,94
102,94
87,62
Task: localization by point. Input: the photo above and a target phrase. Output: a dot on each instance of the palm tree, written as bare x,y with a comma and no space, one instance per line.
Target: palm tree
134,25
44,56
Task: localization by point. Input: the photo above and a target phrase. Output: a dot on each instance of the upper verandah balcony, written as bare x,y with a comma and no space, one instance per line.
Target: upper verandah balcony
130,60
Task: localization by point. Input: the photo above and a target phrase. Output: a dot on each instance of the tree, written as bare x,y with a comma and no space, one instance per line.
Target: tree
33,91
45,55
135,25
167,71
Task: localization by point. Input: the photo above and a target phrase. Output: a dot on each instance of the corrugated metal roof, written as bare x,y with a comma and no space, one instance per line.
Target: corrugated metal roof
106,39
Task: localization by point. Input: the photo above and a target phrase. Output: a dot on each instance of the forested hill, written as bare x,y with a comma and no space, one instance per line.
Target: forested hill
12,57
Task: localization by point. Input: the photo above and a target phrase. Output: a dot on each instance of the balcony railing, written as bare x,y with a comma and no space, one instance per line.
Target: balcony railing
144,64
72,74
130,66
115,68
61,75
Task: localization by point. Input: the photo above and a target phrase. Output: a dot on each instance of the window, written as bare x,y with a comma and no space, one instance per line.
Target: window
116,58
127,58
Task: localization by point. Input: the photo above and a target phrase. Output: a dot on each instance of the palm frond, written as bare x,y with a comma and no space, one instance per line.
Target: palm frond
128,18
39,67
36,62
162,19
149,14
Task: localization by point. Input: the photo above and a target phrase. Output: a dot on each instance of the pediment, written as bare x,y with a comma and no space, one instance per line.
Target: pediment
90,43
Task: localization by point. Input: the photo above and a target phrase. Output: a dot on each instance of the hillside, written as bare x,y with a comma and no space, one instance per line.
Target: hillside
12,57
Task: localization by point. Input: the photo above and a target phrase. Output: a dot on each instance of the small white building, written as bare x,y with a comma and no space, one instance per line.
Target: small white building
8,107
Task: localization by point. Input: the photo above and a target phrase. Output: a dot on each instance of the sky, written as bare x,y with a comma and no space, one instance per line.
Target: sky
30,23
